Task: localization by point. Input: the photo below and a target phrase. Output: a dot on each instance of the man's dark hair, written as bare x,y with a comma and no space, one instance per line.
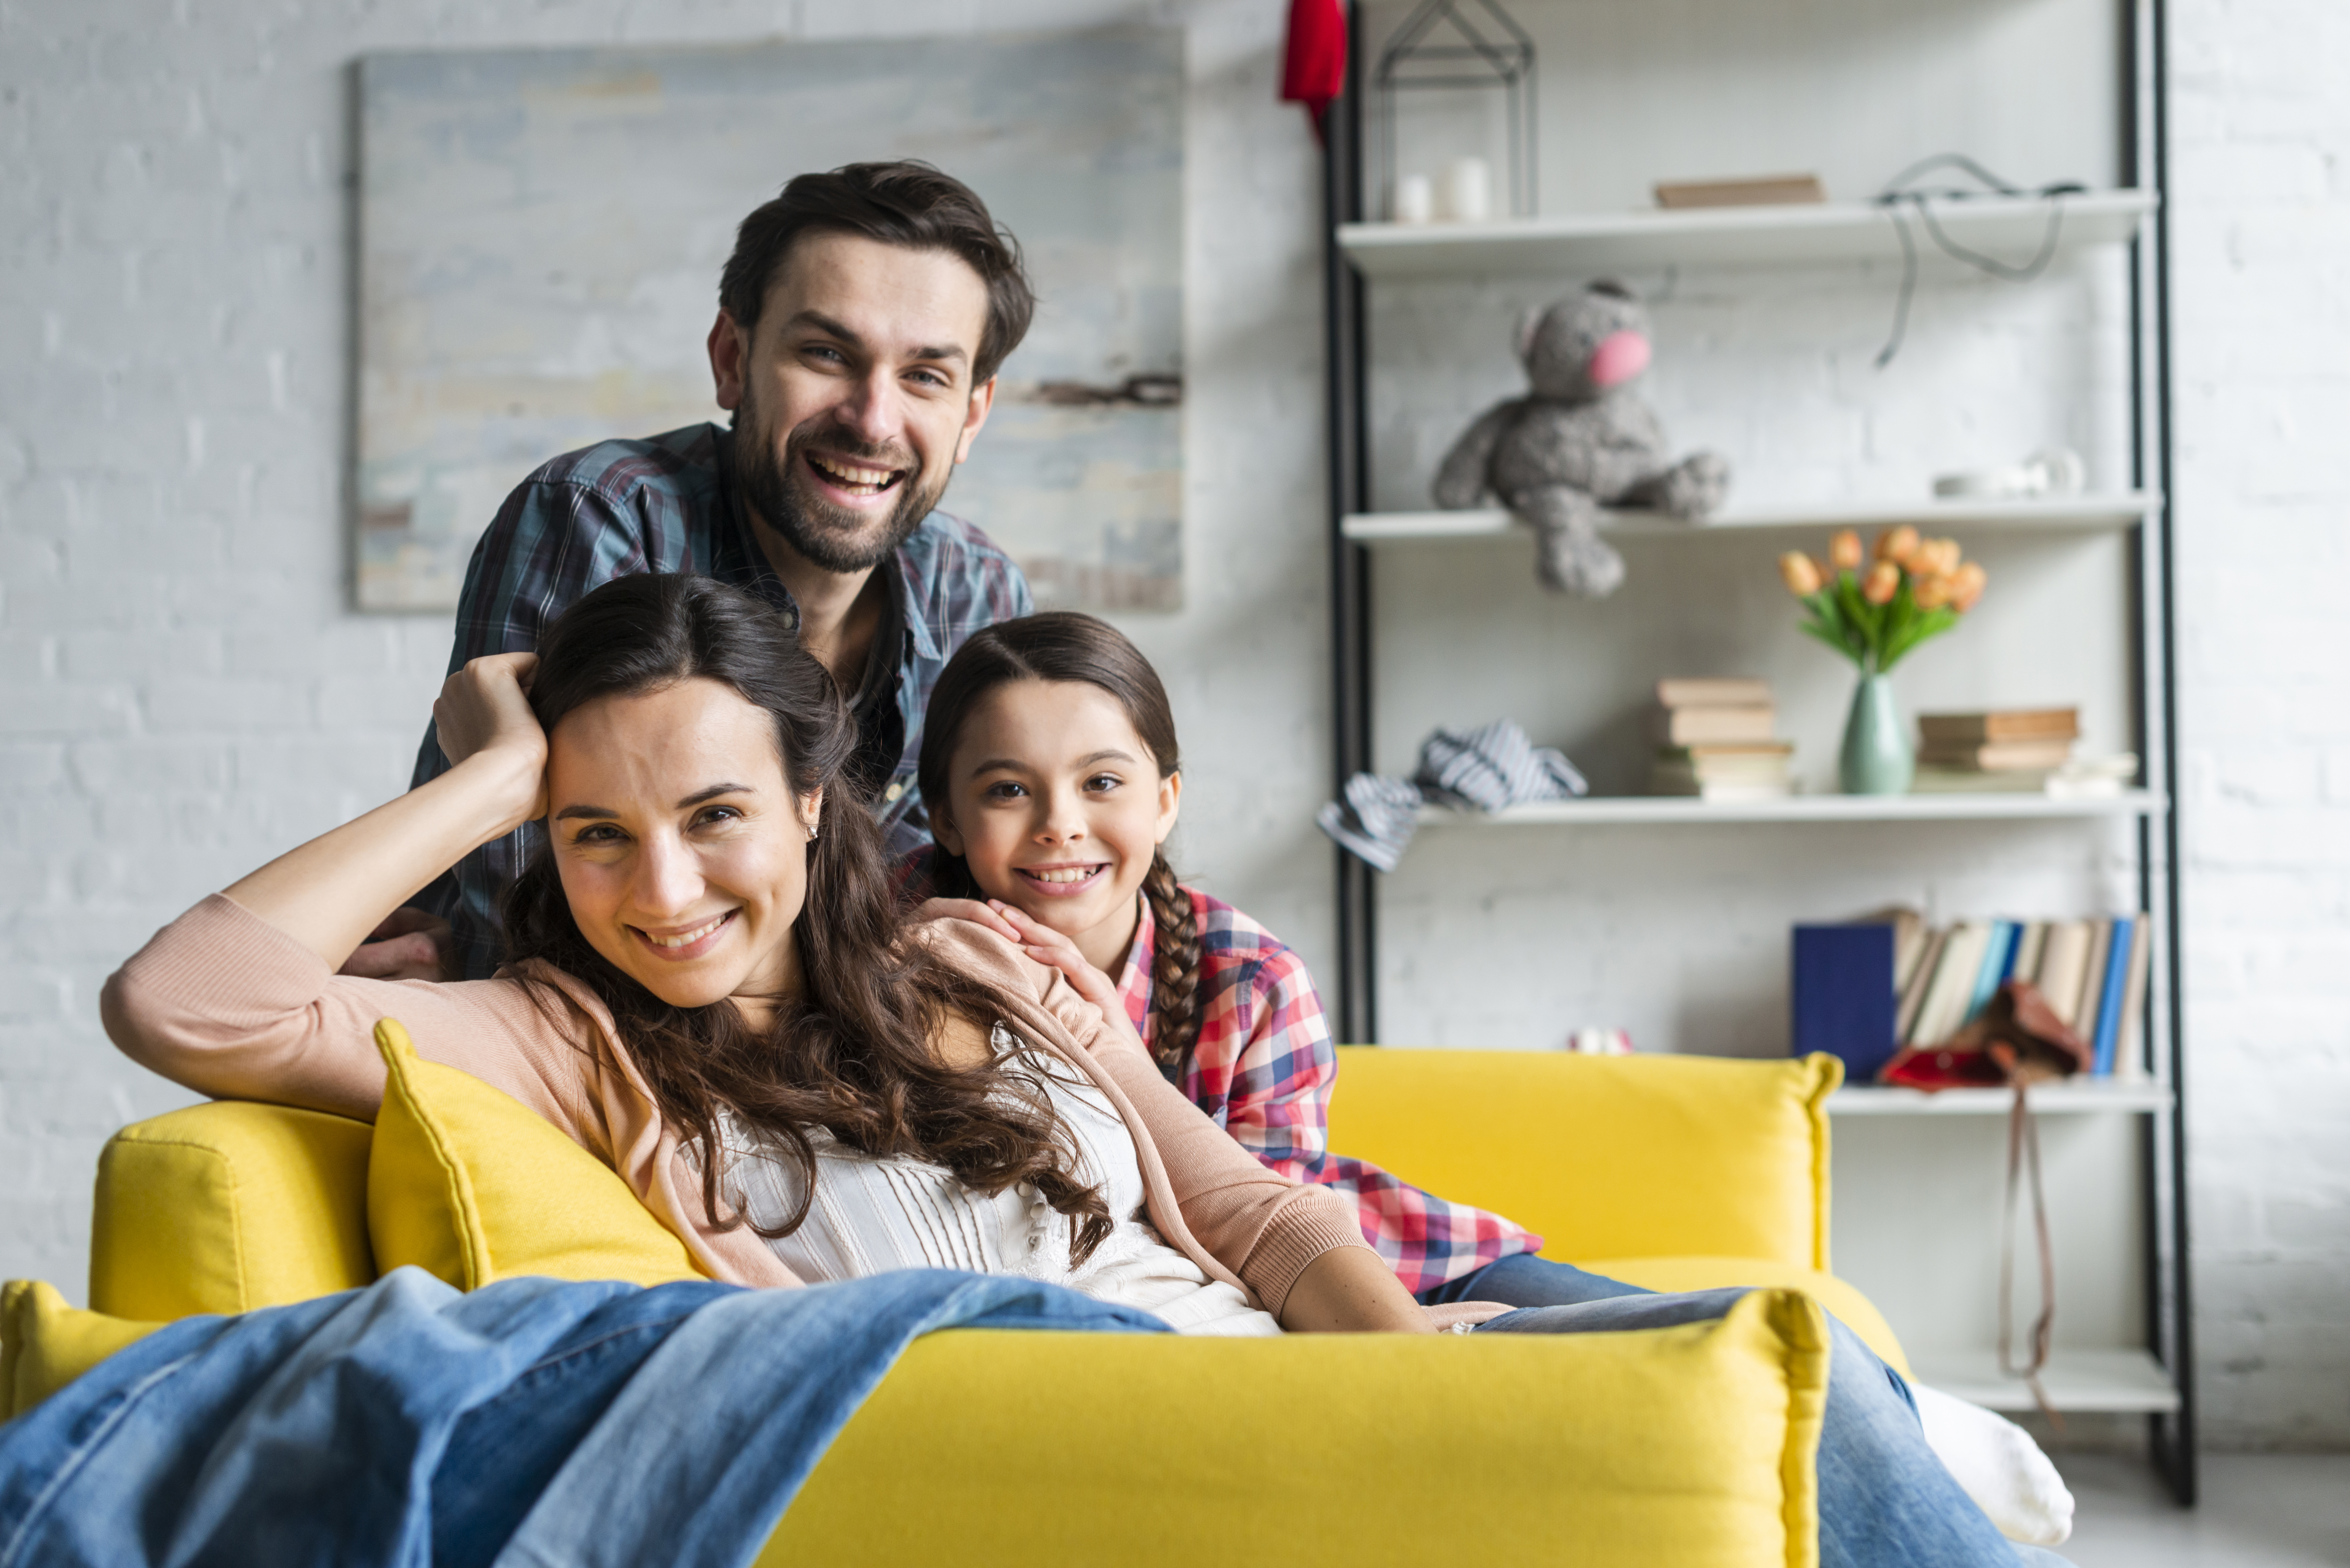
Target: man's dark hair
908,203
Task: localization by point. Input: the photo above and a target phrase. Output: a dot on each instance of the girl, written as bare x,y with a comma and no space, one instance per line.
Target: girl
1053,778
1050,769
710,990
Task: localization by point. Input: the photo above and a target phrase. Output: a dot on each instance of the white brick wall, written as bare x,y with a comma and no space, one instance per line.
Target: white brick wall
183,691
186,691
2261,240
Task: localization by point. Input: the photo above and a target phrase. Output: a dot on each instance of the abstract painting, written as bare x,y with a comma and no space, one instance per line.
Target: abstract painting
541,230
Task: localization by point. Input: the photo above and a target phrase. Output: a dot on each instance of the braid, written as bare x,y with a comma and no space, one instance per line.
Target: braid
1174,967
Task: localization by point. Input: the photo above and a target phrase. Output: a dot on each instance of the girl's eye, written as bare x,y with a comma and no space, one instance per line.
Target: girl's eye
1102,783
1004,789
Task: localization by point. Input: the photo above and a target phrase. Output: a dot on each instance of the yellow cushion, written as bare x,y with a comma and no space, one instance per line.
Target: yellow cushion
1607,1157
1692,1447
470,1185
1857,1312
228,1207
46,1344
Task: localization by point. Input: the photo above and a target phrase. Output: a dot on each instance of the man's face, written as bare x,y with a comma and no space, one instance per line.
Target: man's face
853,398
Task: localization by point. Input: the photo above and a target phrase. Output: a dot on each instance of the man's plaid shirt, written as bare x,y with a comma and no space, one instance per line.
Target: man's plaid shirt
665,506
1263,1069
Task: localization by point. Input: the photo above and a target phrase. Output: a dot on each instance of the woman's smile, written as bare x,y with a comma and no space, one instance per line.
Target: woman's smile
676,944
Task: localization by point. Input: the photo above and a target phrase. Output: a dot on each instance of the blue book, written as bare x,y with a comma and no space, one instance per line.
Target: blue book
1843,997
1999,956
2109,1006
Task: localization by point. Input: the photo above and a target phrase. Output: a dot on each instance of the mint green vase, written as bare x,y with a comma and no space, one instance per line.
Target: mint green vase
1876,758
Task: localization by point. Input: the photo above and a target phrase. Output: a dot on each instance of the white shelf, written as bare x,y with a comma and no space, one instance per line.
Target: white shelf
2125,1381
2007,227
2077,1096
2067,514
1663,810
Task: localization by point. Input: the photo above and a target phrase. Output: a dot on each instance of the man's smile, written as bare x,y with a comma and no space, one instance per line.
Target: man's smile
854,479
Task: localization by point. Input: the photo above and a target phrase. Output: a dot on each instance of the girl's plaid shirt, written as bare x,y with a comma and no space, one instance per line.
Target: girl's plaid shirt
1264,1068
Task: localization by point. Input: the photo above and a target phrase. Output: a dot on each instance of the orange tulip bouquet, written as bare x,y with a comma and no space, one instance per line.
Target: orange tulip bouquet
1914,589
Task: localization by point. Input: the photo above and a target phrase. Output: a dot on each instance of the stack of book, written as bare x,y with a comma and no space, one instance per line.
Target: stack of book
2093,972
1714,741
2019,749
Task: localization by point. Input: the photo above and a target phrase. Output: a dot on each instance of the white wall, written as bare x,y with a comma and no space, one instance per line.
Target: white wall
186,691
2261,148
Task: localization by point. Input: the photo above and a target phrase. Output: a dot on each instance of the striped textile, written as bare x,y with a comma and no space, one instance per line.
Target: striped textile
665,506
1263,1069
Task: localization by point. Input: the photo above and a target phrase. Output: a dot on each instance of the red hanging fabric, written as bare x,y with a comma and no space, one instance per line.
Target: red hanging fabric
1315,70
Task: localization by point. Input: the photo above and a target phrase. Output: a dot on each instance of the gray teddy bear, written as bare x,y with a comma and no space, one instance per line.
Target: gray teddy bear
1580,440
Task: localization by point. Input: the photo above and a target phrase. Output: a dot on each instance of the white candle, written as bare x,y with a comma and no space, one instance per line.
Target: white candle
1468,191
1414,200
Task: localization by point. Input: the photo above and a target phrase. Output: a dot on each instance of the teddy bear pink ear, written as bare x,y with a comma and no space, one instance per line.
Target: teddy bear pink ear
1530,322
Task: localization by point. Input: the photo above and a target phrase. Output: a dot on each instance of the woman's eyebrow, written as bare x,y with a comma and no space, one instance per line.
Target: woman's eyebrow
604,813
713,793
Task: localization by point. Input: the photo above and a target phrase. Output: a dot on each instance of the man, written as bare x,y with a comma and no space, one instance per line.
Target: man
861,321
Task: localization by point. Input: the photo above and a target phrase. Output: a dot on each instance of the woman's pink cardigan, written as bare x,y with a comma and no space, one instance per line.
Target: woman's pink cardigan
228,1005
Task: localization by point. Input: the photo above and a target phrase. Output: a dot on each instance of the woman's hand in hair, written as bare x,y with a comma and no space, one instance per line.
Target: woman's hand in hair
484,711
334,893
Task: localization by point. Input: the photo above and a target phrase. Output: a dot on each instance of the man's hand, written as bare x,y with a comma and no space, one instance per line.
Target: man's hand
411,944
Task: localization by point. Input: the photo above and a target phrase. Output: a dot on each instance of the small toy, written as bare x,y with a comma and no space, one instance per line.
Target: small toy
1581,440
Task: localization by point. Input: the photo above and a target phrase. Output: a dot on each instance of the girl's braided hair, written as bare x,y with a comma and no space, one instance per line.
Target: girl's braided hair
1062,645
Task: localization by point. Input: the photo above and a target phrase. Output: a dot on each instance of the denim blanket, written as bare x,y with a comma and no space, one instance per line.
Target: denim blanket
529,1424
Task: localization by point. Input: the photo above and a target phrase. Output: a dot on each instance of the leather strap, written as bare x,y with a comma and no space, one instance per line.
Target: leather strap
2024,1154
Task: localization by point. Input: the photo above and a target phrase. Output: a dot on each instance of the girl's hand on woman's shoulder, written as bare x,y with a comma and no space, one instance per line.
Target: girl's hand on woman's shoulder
970,909
484,716
1050,948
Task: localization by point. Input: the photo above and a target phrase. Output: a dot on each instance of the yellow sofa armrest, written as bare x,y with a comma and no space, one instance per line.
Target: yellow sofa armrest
1607,1157
45,1343
1690,1446
228,1207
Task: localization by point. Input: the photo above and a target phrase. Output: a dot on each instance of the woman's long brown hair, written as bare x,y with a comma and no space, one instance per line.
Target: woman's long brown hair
1062,645
853,1053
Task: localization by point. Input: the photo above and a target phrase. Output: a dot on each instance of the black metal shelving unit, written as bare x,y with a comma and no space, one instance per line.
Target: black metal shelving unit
2144,141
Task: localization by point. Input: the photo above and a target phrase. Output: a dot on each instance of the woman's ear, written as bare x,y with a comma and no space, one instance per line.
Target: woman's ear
812,812
1170,804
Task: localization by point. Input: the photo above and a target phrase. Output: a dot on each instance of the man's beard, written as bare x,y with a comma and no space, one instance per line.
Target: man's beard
825,535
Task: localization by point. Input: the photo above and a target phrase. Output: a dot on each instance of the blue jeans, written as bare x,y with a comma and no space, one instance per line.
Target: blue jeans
1885,1502
531,1423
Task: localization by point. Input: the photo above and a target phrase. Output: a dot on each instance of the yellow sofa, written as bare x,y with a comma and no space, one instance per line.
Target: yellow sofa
1690,1446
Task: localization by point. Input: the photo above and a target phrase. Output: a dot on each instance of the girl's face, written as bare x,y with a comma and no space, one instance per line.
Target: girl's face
682,847
1057,807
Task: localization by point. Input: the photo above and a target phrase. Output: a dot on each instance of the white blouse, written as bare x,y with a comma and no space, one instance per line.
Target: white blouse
871,1215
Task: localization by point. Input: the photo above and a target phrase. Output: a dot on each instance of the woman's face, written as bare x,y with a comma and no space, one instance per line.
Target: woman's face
682,849
1057,807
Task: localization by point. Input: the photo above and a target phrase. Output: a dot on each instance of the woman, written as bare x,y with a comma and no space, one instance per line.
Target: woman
712,992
